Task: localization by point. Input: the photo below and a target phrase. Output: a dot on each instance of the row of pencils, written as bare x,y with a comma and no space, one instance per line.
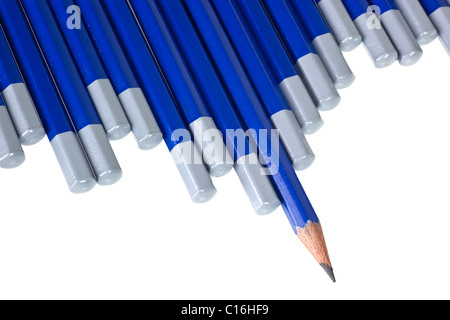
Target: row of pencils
226,84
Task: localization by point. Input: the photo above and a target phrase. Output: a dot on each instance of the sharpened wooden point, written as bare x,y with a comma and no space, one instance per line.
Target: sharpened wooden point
312,237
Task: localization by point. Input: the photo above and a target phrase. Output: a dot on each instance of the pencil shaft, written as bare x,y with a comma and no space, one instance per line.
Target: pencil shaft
191,104
138,112
56,121
79,105
418,20
11,152
258,187
295,202
345,31
92,72
17,98
174,129
375,39
266,86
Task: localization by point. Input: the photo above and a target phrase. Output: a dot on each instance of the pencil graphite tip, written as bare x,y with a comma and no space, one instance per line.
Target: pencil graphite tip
312,237
329,270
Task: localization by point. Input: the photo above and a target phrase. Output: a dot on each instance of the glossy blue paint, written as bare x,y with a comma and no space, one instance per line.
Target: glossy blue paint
147,71
215,95
298,208
80,44
33,67
293,33
252,59
356,8
9,71
105,41
383,5
169,57
431,6
62,66
311,18
271,46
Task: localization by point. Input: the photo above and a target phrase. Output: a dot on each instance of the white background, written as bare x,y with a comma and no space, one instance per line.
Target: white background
380,185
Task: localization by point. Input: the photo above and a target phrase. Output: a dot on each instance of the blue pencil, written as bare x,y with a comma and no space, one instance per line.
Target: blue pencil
297,207
325,96
57,124
307,61
375,39
266,86
418,20
439,13
93,73
345,31
136,107
11,152
281,66
79,105
20,105
175,132
323,41
206,135
258,187
409,51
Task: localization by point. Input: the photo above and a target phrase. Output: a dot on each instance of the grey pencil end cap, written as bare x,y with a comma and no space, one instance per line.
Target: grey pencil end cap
193,172
204,195
427,37
109,109
329,103
73,163
150,141
351,43
12,160
119,132
110,177
345,82
257,184
411,58
304,163
220,170
210,140
32,136
82,186
100,154
312,127
386,60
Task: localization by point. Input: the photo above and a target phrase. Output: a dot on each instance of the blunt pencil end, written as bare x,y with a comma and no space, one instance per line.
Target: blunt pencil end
313,239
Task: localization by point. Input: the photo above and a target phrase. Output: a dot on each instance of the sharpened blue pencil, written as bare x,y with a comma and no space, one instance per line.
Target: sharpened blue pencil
298,208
